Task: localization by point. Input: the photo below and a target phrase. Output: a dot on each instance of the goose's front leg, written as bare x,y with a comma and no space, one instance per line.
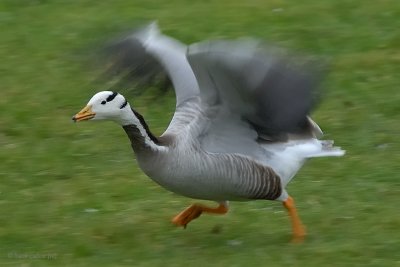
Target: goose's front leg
195,210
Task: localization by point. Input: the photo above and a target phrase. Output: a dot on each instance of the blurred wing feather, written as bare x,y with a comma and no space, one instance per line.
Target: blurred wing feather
146,55
262,90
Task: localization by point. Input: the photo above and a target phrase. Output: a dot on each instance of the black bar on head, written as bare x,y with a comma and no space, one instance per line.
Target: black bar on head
123,104
111,97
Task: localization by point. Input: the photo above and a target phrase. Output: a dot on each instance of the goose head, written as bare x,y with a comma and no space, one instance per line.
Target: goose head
105,105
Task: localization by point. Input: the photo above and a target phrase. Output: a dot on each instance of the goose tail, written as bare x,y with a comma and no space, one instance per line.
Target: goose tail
326,150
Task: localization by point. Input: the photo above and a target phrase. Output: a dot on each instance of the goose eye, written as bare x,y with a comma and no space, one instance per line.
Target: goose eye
103,102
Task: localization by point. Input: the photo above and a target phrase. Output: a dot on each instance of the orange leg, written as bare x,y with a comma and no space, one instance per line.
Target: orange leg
195,210
299,231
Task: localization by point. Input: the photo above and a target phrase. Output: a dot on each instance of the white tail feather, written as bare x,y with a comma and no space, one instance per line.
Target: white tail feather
333,152
326,150
287,158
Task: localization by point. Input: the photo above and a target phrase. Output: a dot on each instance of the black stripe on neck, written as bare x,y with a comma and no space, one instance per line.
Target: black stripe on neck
111,97
145,126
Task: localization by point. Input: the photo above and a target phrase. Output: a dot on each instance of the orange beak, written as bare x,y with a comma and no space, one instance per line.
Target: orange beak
84,115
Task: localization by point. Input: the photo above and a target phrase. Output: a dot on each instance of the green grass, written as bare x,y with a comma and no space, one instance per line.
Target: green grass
74,193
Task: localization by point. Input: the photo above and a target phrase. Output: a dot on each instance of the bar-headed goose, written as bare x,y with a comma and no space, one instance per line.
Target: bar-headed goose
240,131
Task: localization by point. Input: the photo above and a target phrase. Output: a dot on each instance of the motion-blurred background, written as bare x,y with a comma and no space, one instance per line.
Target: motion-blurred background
73,195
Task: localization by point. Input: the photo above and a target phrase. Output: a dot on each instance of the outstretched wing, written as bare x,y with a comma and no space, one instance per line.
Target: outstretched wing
255,90
146,54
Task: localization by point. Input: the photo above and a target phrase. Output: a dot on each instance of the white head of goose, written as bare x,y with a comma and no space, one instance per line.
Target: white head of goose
109,105
104,105
241,129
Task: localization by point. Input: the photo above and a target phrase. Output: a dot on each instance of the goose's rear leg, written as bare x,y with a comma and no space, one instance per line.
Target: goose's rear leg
195,210
298,229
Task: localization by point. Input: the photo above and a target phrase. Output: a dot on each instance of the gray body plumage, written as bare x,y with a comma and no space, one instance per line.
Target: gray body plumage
187,169
241,128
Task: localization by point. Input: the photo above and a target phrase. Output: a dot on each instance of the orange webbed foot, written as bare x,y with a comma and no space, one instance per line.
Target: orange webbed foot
194,211
299,231
187,215
299,235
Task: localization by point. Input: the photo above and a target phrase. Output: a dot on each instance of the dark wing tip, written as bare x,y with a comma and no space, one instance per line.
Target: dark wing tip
125,65
273,90
286,96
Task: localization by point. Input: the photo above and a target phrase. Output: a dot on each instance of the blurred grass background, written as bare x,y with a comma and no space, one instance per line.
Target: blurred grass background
73,192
